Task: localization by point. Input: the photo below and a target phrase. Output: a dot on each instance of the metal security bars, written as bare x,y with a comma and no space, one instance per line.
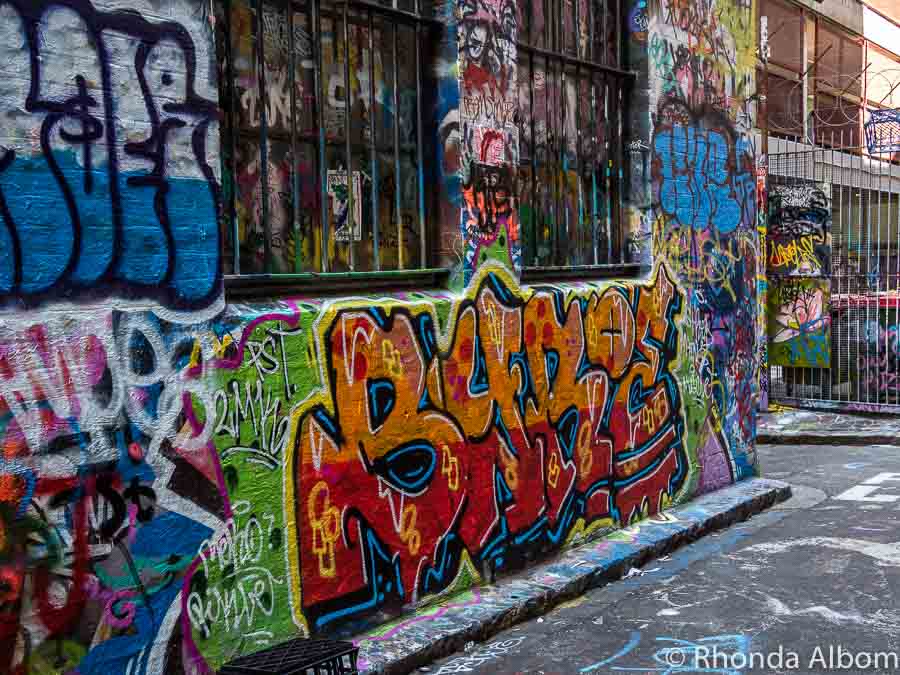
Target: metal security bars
325,109
571,92
833,268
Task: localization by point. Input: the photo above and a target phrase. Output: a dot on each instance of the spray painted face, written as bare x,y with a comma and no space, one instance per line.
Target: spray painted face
488,201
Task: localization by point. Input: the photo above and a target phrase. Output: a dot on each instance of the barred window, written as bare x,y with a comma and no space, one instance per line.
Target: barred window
325,109
571,89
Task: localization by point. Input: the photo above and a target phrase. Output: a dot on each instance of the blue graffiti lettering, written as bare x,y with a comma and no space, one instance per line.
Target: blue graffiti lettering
704,177
75,222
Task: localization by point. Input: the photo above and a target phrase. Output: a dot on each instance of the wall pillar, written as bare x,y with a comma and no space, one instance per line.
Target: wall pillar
701,63
638,135
489,135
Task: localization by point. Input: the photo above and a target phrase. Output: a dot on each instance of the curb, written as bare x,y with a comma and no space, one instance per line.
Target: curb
439,630
832,439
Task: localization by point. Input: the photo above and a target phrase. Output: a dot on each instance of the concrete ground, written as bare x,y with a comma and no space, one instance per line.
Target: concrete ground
821,427
810,586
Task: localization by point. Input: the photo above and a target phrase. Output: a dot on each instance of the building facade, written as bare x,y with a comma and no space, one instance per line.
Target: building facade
834,203
314,312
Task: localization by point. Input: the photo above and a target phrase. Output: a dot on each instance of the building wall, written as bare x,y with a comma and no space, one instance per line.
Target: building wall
702,213
184,479
886,7
831,64
847,13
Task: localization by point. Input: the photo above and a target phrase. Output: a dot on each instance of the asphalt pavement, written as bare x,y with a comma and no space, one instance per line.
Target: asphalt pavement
809,586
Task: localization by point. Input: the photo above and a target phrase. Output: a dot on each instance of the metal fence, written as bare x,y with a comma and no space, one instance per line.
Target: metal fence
833,268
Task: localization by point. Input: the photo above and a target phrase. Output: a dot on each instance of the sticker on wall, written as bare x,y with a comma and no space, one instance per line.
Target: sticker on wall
339,198
799,322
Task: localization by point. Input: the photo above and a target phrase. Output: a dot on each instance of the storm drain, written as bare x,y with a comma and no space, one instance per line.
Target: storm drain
317,656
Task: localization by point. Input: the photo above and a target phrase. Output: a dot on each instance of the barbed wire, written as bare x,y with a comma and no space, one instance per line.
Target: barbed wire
844,89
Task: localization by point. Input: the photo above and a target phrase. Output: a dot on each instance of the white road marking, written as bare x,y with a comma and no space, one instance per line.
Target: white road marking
866,491
888,554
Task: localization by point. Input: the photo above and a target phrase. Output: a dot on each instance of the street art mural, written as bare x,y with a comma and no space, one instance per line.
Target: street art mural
704,185
799,322
878,360
174,494
534,416
799,237
184,480
762,283
702,52
102,505
799,267
488,133
109,273
489,208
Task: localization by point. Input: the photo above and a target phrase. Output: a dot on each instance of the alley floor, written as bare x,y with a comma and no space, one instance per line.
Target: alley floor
809,586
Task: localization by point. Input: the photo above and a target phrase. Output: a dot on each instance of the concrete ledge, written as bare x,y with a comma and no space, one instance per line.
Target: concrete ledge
826,437
441,629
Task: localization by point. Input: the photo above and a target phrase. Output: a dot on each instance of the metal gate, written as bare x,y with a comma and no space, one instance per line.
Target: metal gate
833,271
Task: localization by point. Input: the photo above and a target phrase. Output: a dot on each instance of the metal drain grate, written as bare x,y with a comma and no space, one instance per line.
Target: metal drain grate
316,656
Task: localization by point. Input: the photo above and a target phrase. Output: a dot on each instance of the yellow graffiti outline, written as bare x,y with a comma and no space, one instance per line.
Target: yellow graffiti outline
450,467
409,533
326,529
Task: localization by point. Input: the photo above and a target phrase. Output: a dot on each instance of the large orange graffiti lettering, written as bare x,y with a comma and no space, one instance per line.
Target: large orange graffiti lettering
538,416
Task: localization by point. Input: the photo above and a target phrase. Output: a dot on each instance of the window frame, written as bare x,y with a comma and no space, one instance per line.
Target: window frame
597,61
417,22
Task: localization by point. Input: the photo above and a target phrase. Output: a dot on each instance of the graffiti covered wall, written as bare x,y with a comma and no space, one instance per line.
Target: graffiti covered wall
799,242
799,266
698,66
109,273
113,214
289,467
183,480
536,415
878,360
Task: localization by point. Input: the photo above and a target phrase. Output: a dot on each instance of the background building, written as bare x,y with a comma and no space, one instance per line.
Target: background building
833,237
831,63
